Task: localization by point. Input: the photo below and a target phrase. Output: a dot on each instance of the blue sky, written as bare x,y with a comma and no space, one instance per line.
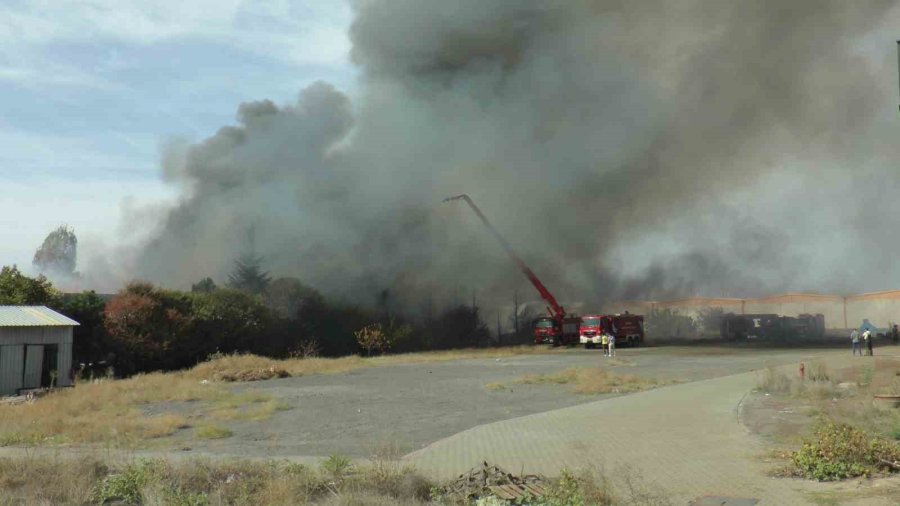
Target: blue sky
89,89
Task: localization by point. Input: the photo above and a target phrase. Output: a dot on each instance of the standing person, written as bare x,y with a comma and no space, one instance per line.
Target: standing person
895,334
869,338
612,345
854,338
865,337
604,340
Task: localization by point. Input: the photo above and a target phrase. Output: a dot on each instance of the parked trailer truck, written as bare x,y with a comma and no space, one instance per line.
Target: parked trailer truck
755,326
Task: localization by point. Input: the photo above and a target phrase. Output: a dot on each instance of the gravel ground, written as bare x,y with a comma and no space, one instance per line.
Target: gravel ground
682,441
407,407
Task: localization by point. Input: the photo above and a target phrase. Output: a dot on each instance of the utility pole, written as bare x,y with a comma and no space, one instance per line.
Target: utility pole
516,313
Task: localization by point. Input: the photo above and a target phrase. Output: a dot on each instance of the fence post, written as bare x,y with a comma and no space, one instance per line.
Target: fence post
845,312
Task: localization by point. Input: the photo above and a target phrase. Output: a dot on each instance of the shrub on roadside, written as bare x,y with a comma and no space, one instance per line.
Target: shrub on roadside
841,451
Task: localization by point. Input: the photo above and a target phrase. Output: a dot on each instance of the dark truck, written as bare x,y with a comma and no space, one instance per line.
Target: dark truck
771,326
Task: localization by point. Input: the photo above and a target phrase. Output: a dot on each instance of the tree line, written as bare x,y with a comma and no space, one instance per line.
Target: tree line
145,327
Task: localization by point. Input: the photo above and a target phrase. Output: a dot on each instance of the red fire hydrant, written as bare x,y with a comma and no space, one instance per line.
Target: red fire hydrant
802,371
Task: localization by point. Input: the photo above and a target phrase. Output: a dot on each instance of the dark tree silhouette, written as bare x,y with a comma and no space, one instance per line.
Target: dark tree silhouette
205,285
248,276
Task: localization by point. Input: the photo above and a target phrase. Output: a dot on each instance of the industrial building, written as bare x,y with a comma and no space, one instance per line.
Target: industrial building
882,309
35,348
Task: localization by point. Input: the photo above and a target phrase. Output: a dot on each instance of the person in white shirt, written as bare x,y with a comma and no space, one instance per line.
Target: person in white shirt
612,345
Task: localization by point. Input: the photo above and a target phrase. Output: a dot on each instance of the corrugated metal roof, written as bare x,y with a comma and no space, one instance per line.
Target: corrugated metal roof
33,316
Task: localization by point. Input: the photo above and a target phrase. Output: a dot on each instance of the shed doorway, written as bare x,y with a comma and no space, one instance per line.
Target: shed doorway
34,359
49,367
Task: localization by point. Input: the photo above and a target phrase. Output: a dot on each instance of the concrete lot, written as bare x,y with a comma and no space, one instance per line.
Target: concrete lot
408,407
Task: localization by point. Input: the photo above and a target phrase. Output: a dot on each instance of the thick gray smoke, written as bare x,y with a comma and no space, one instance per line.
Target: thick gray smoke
626,149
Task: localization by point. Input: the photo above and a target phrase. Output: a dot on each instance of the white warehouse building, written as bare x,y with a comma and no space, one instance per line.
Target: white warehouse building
35,348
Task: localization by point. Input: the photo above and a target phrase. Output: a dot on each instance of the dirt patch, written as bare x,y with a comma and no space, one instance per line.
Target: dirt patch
779,420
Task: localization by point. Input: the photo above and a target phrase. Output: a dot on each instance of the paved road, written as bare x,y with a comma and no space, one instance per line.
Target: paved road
685,439
411,406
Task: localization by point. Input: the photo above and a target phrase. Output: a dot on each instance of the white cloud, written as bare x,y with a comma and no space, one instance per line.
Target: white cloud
298,32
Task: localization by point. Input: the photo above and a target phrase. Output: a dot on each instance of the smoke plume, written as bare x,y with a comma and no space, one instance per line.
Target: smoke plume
625,149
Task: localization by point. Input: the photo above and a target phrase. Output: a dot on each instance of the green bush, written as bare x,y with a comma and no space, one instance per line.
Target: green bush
336,467
840,451
127,485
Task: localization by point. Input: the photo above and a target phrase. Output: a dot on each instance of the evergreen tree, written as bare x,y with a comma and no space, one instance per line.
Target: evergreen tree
248,275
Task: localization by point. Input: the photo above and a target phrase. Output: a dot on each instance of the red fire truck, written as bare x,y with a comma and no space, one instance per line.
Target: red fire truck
559,326
627,328
545,330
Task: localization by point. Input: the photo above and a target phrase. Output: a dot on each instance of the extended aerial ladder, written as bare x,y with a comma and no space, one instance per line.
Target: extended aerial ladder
554,308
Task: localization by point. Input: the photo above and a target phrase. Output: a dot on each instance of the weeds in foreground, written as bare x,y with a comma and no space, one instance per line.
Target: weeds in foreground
200,482
818,383
774,381
336,481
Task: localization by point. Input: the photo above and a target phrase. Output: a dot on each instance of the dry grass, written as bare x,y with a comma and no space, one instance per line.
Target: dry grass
843,396
113,411
245,367
820,383
106,411
247,405
200,482
25,481
212,432
585,380
495,385
382,481
159,482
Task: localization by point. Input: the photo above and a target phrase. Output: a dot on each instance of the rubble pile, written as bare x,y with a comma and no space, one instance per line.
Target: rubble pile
489,480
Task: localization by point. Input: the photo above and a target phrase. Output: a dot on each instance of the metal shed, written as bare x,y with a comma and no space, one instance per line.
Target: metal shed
35,346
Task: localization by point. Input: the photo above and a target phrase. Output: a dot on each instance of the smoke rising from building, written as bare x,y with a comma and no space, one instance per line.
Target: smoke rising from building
625,149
